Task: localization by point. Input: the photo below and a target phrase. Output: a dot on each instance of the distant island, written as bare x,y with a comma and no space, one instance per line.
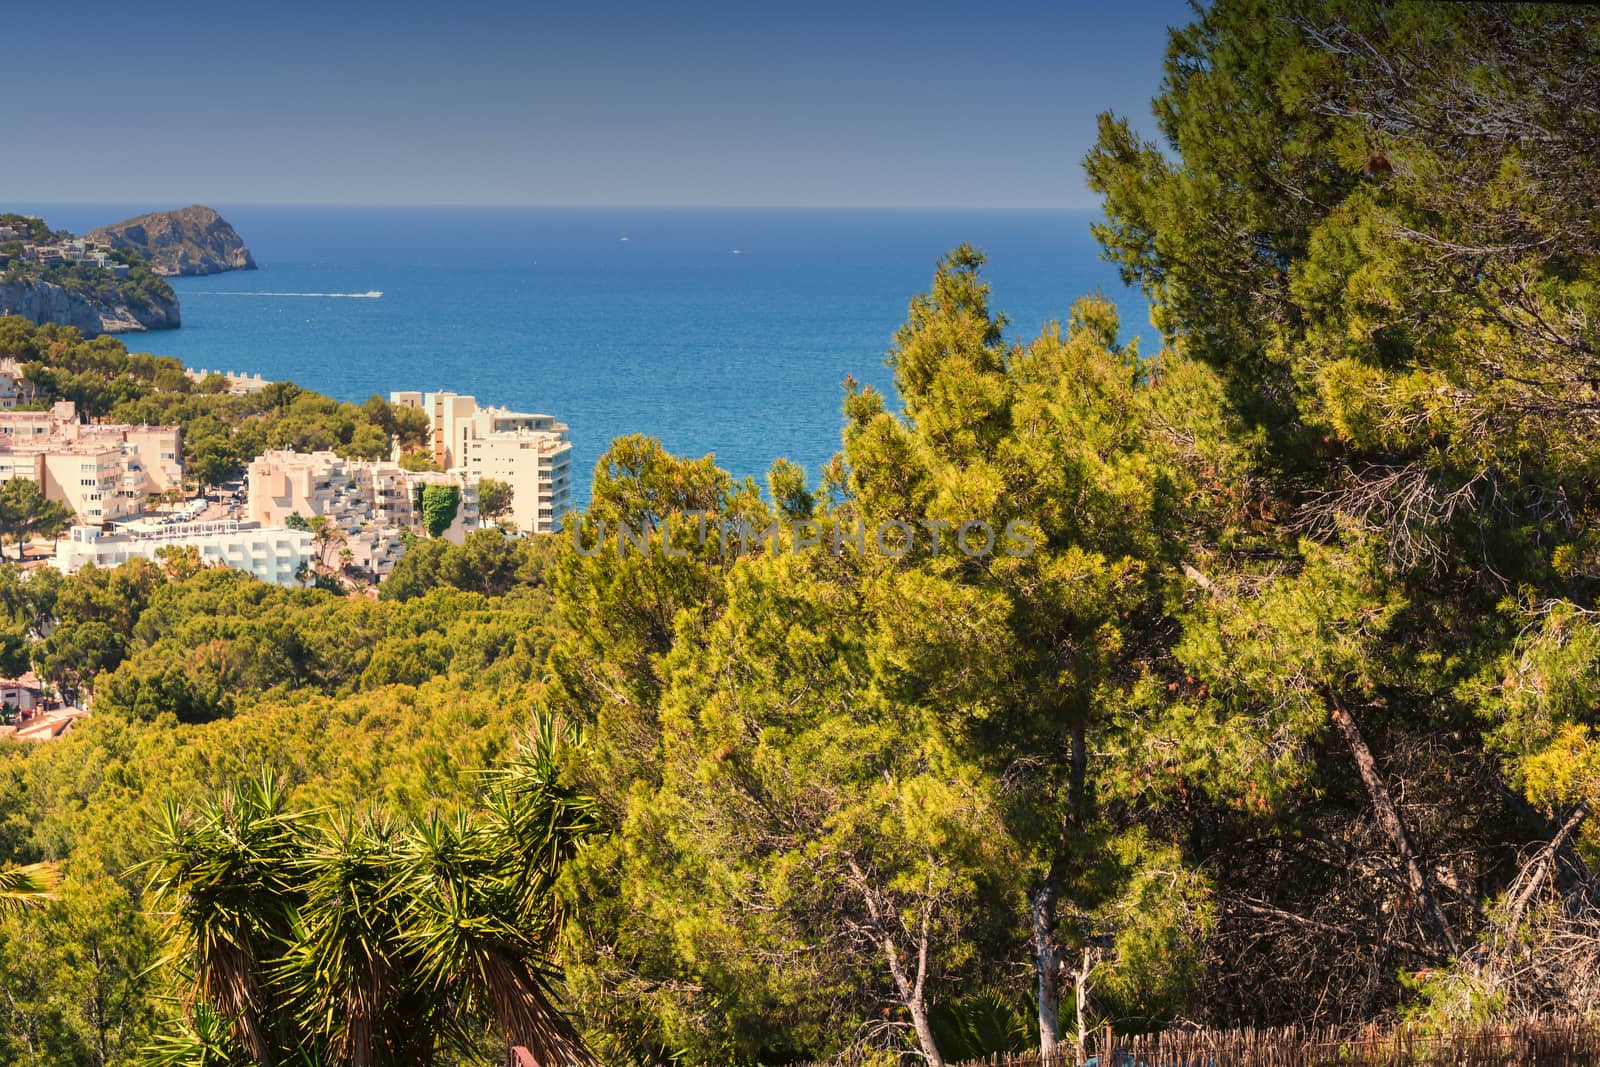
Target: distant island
52,276
191,240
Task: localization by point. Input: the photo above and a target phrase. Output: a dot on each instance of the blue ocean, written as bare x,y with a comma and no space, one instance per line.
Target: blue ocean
721,331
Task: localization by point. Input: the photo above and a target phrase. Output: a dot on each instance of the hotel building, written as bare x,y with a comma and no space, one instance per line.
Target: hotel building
101,472
531,453
372,503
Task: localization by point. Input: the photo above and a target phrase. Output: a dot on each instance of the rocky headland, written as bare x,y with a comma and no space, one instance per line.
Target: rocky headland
191,240
93,311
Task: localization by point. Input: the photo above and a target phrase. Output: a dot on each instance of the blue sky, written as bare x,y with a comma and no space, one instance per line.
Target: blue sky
891,104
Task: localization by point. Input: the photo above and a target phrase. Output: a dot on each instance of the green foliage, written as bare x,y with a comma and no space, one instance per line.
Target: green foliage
25,513
80,974
764,728
1276,701
439,506
802,828
487,562
202,646
27,608
75,654
408,426
1363,217
494,498
419,462
248,666
370,940
786,485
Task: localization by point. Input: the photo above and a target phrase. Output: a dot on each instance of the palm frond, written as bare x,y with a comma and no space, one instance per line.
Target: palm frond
32,883
366,942
344,972
539,821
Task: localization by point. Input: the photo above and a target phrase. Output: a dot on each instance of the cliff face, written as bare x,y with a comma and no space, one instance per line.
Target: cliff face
193,240
92,313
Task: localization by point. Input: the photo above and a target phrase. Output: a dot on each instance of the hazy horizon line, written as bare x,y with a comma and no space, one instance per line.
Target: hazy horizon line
562,206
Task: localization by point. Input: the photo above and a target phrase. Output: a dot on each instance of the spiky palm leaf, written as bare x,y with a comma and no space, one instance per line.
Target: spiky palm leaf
205,1040
209,1039
539,821
32,883
369,943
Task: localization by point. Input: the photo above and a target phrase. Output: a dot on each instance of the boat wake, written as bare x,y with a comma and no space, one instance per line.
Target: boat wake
371,294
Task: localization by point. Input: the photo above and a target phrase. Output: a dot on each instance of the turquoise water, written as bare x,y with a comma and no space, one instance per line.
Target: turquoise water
725,331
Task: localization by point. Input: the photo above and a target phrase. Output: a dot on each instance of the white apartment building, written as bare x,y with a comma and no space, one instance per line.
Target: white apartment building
271,554
372,503
531,453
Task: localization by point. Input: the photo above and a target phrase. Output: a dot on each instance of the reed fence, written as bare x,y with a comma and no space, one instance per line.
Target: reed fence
1551,1042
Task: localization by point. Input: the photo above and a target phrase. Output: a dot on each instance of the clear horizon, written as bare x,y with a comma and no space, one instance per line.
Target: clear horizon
620,104
174,206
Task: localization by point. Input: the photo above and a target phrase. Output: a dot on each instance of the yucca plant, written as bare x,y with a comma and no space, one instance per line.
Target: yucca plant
537,820
227,877
470,935
206,1039
346,971
359,940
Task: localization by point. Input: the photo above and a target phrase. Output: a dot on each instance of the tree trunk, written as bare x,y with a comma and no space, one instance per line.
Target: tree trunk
912,990
912,995
1042,902
1077,784
1389,818
919,1020
1047,965
1080,1002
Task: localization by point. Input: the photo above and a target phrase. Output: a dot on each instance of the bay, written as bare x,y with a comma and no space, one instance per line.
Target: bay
717,330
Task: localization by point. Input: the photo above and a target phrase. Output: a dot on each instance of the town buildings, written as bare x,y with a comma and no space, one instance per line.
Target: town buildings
372,504
102,472
71,250
272,554
531,453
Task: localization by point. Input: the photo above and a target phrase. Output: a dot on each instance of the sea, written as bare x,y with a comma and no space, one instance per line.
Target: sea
726,331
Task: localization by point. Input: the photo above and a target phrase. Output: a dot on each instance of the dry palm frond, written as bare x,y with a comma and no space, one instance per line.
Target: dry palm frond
33,883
